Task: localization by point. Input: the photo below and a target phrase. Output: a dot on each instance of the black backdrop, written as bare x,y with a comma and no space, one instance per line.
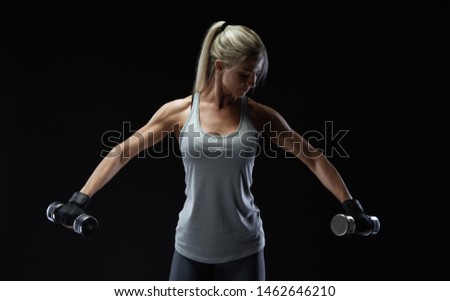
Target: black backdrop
74,72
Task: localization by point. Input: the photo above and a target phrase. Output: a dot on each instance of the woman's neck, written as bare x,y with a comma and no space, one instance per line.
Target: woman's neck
214,94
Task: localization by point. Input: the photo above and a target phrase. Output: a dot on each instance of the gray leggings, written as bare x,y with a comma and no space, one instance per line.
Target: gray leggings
250,268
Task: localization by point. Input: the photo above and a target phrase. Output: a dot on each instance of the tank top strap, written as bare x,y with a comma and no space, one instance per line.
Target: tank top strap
247,124
195,99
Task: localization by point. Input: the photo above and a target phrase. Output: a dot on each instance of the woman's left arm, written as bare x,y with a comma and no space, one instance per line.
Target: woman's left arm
280,133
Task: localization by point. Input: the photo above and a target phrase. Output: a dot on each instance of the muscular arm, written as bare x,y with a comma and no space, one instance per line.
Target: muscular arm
280,133
158,127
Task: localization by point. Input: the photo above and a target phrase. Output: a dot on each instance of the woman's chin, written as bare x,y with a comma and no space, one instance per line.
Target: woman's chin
241,93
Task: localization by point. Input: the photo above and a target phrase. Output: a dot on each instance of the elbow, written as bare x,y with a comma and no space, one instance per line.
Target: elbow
125,156
316,162
120,155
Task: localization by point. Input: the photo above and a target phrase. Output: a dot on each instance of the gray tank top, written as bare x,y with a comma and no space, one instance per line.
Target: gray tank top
219,221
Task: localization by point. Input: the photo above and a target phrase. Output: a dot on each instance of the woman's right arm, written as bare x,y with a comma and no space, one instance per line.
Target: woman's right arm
161,124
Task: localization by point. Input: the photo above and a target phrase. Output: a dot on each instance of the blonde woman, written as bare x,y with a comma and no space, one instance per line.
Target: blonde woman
219,235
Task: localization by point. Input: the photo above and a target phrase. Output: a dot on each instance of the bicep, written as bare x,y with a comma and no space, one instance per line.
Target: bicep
282,135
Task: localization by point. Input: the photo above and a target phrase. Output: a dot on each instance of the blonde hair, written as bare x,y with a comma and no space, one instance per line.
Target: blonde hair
232,44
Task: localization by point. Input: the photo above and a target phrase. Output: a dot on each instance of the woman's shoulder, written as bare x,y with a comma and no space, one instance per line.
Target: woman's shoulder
176,108
260,114
173,111
257,107
180,104
177,111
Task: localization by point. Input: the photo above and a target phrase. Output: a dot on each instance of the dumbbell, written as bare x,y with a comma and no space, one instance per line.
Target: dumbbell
72,215
345,225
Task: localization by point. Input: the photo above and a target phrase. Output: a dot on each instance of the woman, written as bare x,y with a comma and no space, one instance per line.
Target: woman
219,235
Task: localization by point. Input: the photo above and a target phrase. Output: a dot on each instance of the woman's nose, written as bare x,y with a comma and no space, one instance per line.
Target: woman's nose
252,81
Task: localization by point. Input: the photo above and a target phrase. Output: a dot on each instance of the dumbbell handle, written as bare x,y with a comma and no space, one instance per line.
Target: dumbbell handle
84,224
344,225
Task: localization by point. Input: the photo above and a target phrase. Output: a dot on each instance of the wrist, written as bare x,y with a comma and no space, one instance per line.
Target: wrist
352,206
344,198
80,199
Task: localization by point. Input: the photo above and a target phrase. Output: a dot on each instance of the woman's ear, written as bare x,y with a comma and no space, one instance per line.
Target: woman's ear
220,66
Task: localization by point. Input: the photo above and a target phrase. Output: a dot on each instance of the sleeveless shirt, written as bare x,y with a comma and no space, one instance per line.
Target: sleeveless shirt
219,221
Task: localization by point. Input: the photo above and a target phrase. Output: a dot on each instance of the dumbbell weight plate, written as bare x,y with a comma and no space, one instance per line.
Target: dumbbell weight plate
376,225
51,210
342,225
85,224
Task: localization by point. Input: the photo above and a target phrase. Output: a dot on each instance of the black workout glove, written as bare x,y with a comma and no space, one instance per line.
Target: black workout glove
363,223
67,214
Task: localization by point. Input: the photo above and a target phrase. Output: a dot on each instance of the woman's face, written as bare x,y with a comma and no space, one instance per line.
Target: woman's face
238,80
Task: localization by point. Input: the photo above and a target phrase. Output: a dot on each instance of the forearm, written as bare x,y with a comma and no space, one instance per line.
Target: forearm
330,178
105,171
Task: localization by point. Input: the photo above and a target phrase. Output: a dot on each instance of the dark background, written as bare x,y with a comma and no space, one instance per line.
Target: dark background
72,72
